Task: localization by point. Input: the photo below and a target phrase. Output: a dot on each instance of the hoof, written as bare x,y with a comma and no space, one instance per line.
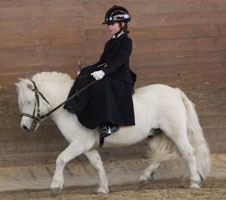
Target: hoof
55,191
102,191
144,181
194,186
197,184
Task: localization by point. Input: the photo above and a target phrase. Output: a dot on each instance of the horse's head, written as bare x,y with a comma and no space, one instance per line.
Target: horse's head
32,104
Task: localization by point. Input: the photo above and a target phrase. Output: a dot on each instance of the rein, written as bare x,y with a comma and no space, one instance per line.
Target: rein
74,95
37,119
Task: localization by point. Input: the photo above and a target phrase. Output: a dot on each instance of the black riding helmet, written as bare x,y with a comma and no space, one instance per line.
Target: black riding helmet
117,14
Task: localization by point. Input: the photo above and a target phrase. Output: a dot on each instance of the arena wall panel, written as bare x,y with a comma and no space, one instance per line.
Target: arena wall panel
178,43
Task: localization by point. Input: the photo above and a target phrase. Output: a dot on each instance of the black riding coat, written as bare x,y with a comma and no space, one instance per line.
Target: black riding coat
109,99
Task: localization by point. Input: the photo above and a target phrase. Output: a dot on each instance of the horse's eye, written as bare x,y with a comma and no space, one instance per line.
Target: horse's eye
28,102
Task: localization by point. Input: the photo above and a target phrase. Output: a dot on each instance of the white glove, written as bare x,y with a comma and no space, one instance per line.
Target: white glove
98,75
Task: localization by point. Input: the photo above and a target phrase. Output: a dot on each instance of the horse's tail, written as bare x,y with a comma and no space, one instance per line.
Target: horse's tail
195,135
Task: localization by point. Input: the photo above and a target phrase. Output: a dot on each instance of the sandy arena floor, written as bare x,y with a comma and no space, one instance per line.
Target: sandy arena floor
33,182
170,189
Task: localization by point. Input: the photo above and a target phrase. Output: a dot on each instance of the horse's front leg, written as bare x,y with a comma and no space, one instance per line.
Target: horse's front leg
73,150
95,160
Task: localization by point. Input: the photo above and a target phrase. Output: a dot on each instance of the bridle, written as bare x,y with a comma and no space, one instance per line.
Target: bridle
37,119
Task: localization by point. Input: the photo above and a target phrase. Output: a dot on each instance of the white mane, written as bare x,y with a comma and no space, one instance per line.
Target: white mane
58,78
24,87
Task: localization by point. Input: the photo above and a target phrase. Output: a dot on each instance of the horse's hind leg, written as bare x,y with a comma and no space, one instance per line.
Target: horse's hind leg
160,149
177,134
95,160
148,173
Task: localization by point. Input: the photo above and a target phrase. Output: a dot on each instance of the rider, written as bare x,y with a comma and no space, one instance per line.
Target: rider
108,103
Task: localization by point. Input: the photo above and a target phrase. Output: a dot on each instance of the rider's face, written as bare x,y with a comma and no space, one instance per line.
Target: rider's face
114,28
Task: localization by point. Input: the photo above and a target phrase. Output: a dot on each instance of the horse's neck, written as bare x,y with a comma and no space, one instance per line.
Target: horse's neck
56,93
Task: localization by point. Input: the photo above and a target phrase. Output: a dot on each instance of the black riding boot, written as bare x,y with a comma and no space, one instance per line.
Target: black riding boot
106,130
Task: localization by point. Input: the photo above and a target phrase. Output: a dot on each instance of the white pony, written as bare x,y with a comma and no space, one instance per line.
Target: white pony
155,106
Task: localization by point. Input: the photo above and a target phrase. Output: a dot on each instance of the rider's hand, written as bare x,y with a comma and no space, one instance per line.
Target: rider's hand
98,74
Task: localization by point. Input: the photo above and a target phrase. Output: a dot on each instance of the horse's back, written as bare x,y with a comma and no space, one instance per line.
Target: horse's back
156,91
157,98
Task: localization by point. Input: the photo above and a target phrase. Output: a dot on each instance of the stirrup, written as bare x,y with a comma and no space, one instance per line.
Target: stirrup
106,131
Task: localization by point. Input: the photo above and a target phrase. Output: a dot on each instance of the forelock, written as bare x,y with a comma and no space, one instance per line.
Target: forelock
25,94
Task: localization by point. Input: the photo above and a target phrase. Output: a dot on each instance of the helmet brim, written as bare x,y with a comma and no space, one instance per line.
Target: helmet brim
109,22
116,21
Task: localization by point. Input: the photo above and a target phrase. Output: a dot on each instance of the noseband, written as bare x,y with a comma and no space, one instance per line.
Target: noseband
39,117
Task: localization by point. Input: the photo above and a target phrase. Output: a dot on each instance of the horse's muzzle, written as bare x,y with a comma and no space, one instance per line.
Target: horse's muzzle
25,128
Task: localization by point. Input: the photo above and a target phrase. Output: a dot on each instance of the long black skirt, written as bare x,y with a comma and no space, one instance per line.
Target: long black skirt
107,100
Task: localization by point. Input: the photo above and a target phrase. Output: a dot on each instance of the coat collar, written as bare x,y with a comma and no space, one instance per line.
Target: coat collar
114,36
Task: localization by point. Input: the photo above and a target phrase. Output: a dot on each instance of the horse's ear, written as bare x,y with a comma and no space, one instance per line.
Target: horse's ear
17,84
21,79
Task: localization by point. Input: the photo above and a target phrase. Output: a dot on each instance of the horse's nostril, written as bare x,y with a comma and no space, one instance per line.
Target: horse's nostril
25,128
